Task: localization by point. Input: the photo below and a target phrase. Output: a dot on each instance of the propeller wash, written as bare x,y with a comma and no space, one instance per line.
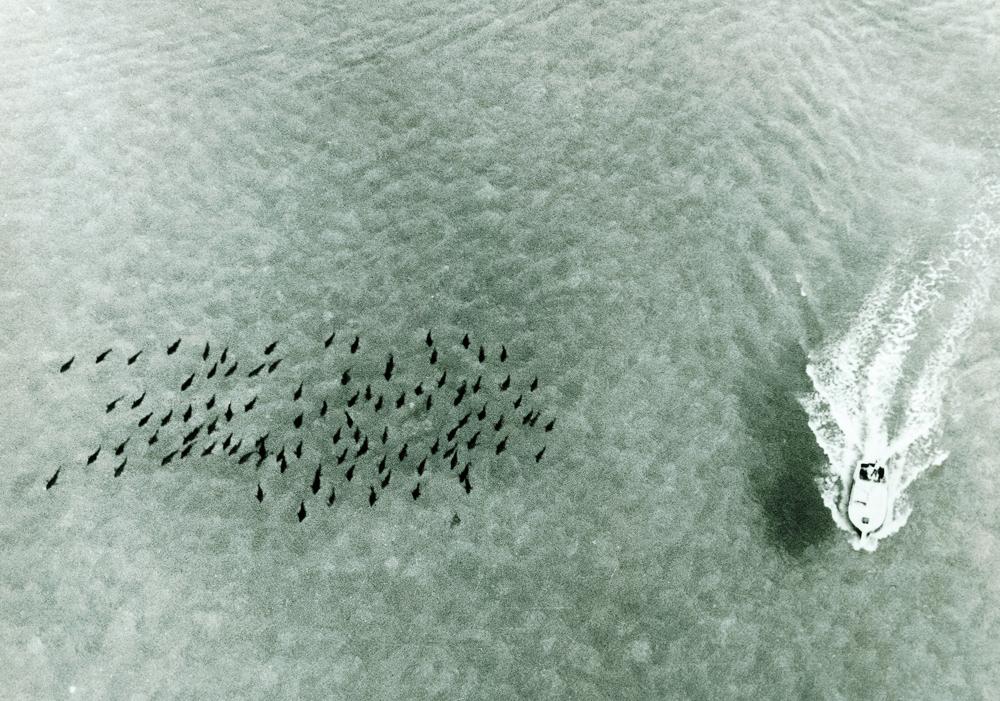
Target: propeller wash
879,390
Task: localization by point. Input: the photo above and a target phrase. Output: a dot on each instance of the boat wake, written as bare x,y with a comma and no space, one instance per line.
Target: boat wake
879,389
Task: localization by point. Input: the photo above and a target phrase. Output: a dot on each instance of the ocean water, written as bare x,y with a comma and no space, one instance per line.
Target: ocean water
738,244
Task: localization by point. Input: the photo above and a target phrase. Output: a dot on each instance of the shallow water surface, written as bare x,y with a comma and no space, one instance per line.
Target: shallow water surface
674,214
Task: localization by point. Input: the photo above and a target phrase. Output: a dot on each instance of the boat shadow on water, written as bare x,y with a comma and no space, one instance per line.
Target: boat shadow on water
785,459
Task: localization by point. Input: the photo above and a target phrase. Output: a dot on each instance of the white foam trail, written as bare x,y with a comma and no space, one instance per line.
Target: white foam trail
879,389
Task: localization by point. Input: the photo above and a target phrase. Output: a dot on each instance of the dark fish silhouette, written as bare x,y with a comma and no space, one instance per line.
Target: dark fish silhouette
133,358
227,442
534,384
193,433
385,480
357,434
284,465
281,454
188,413
429,340
465,341
333,496
381,465
229,412
363,449
297,394
355,344
350,421
443,378
430,401
354,398
467,485
503,354
316,479
168,457
454,460
302,511
527,417
256,370
436,446
346,377
329,340
505,384
138,402
452,432
322,409
534,419
539,454
460,395
464,474
172,348
464,420
213,426
517,402
378,403
372,496
298,450
102,356
389,365
93,456
419,389
499,424
336,435
187,450
261,440
368,393
225,354
482,413
121,446
471,443
210,403
208,450
401,400
479,383
342,457
121,468
421,465
434,356
349,475
402,452
449,452
187,382
234,448
232,369
204,353
250,405
112,404
502,445
270,348
260,493
51,482
482,354
385,435
274,365
297,421
144,419
416,492
68,364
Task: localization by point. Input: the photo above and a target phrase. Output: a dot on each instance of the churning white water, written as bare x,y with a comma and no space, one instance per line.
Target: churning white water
879,389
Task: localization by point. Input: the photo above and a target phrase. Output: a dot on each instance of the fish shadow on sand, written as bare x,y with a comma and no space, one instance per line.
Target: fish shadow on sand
788,459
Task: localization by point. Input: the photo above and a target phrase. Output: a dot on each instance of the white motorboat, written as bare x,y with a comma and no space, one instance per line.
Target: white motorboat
868,506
